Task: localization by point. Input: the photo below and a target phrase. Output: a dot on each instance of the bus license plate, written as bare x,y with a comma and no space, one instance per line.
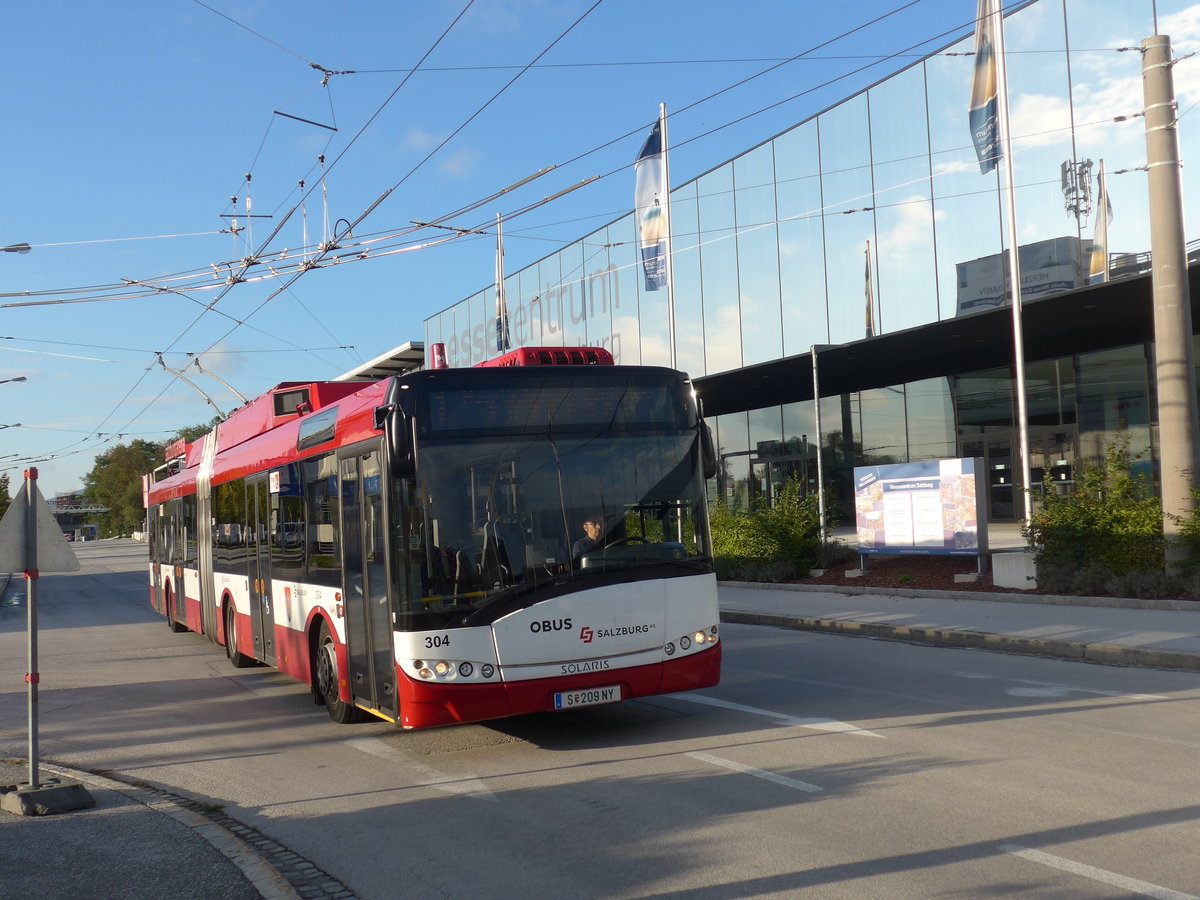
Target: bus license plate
587,697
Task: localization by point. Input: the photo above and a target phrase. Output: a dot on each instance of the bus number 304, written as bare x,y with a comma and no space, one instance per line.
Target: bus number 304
437,640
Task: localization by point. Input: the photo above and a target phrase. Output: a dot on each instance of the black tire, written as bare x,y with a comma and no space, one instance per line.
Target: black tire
169,603
328,678
237,658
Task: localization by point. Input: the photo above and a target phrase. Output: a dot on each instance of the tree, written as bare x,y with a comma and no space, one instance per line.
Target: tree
191,433
5,497
115,481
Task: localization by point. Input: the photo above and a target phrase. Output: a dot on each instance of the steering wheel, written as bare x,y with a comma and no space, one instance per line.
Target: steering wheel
623,541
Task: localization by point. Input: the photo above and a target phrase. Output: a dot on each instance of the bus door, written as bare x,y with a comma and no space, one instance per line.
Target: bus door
177,543
368,613
262,615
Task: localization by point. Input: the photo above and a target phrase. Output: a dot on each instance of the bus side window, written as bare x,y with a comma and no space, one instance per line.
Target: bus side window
321,498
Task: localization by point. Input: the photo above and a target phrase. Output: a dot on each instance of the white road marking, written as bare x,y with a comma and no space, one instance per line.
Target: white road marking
792,721
757,773
427,775
1054,689
1141,888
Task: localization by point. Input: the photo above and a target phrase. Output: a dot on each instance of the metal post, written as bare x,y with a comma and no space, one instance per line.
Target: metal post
31,577
666,205
820,466
1174,374
1014,265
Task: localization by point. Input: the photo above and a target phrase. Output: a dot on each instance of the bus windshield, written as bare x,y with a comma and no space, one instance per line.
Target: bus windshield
511,508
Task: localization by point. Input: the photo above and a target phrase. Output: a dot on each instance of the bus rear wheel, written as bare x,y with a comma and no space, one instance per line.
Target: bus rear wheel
329,679
169,604
236,657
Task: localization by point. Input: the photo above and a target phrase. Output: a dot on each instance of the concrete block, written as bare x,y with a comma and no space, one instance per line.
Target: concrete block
855,573
966,578
1014,570
45,799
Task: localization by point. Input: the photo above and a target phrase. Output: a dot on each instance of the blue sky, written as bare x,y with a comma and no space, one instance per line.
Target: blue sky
131,126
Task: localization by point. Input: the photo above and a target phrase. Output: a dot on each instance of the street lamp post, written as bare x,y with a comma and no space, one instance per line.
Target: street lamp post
17,248
18,378
821,530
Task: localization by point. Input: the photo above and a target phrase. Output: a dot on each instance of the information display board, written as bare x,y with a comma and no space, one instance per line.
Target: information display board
936,507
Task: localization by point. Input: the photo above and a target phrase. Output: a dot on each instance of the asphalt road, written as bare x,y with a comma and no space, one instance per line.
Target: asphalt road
821,767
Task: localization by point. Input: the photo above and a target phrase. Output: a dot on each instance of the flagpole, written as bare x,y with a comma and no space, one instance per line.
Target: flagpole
1014,256
666,204
502,339
1098,263
870,295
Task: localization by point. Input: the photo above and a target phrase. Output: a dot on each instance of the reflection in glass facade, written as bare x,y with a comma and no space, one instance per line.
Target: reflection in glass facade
770,251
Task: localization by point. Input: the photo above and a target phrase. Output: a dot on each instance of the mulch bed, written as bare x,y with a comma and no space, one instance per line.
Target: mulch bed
931,573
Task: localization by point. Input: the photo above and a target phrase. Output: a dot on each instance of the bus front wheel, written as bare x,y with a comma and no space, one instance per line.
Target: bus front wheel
240,660
329,679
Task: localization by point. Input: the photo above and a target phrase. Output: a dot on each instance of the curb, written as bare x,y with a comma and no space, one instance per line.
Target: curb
273,870
1111,654
1166,604
270,884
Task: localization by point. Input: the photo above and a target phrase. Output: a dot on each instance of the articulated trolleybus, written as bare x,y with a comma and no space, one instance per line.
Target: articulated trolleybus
416,549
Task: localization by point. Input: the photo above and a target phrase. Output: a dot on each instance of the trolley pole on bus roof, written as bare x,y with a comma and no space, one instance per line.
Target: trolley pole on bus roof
27,524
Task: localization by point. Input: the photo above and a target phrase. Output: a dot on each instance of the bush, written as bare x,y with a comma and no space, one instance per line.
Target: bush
767,543
1111,524
743,569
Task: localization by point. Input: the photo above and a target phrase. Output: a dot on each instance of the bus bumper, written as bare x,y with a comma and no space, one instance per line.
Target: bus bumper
426,705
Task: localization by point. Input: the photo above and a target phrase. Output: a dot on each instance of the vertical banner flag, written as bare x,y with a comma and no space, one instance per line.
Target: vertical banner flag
648,198
983,109
1098,267
503,344
870,296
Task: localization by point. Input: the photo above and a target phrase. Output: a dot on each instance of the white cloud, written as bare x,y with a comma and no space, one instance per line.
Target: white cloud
913,228
1039,120
462,163
420,140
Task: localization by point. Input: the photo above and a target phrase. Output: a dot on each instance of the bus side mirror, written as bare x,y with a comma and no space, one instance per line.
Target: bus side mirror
392,421
708,455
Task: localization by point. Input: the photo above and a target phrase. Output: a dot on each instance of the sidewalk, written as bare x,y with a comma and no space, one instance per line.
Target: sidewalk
1165,634
131,844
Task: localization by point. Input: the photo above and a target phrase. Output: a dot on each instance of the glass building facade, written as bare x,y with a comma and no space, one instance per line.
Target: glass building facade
771,250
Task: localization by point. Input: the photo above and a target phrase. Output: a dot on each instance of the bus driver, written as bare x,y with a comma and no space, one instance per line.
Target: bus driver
593,529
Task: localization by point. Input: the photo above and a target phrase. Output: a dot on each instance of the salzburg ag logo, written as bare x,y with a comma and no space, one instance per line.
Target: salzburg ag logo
586,634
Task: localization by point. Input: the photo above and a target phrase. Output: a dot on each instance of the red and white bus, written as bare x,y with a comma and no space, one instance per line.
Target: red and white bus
414,548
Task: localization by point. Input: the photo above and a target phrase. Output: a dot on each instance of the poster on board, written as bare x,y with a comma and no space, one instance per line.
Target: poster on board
937,507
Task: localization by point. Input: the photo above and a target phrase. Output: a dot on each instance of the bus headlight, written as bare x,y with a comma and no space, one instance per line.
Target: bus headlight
685,642
699,637
453,670
669,649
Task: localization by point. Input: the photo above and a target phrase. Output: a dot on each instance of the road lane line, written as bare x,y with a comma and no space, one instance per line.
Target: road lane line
1063,688
757,773
1141,888
820,724
427,775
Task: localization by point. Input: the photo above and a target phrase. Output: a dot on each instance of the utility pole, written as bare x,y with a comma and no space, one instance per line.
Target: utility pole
1174,375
